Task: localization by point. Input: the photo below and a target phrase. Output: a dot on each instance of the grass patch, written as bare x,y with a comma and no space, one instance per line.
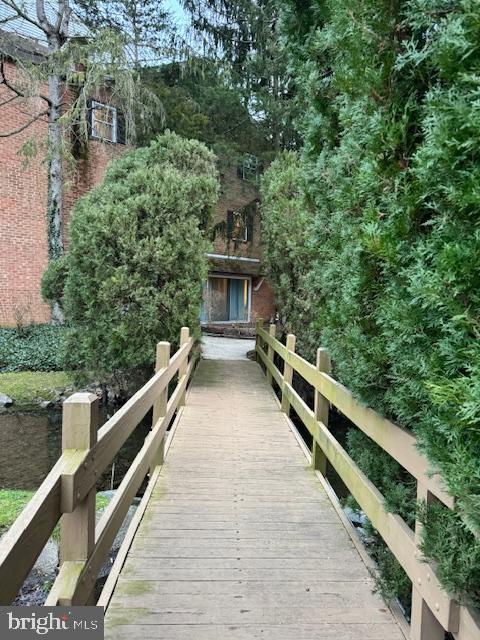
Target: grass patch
12,501
25,386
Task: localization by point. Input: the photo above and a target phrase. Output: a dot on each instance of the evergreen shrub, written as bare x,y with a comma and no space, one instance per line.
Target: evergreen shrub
388,181
137,256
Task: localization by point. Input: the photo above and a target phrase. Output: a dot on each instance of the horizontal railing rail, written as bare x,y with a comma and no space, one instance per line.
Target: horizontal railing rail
433,610
68,492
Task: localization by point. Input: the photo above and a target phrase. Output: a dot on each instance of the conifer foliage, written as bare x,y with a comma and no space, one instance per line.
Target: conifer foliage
137,256
387,185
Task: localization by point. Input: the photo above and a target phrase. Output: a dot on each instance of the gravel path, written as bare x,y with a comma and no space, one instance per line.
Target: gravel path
220,348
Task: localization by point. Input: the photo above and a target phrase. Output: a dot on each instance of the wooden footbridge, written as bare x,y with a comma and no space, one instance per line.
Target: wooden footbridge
238,534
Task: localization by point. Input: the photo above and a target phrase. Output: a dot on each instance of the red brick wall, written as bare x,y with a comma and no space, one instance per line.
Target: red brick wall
23,198
235,194
263,300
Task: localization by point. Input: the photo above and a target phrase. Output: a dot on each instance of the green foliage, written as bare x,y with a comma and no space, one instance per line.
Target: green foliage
200,101
53,280
30,348
242,34
448,539
285,223
390,169
13,501
137,256
143,23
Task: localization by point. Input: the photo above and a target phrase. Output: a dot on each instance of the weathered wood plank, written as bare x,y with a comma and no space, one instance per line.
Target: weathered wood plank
116,631
25,539
239,536
398,442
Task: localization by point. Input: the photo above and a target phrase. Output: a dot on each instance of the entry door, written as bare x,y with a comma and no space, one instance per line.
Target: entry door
226,300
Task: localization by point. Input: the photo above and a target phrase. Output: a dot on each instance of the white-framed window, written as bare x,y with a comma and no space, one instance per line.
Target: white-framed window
104,122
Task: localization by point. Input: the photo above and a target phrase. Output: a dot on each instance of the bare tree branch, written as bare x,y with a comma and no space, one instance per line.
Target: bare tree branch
24,126
11,99
5,81
21,13
44,24
63,17
8,19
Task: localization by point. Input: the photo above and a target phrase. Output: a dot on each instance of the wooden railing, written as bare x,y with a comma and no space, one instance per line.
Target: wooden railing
68,492
433,610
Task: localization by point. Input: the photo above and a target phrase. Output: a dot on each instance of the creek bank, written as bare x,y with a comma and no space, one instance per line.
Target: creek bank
25,390
36,587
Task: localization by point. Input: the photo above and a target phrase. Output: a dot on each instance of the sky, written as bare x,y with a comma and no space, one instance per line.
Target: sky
26,29
177,10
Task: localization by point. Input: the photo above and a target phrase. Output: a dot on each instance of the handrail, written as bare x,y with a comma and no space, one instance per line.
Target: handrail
68,492
433,610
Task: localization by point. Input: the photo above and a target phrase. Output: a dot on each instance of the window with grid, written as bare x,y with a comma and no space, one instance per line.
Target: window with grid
104,122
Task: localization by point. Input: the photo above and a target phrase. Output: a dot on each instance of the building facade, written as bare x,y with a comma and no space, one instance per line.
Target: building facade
236,293
23,189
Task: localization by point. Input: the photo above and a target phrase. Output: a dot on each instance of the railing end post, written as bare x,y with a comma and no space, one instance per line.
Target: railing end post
184,335
80,421
79,431
163,355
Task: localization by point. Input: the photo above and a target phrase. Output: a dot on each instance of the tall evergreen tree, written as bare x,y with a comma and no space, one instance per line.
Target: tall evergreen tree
143,23
242,33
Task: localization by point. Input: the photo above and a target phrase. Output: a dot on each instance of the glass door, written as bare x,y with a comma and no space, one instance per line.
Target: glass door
226,300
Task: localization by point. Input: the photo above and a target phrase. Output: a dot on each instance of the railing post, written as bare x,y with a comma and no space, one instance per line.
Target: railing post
271,332
321,407
287,373
258,325
160,406
424,625
79,431
184,338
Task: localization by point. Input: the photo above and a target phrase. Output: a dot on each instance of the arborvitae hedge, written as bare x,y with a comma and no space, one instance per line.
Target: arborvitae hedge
389,181
137,256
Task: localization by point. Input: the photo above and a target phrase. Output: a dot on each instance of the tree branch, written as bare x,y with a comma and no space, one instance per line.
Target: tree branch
63,18
16,90
7,82
21,13
44,24
13,132
11,99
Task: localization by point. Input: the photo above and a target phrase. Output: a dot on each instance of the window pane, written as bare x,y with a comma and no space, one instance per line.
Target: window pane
104,114
239,231
103,130
103,122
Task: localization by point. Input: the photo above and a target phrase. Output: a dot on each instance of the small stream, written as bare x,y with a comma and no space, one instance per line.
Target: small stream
31,443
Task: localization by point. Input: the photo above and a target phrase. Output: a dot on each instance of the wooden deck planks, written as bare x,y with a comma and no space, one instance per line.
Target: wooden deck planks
239,540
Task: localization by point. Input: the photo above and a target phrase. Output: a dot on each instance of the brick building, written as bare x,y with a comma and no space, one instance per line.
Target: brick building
23,189
236,292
